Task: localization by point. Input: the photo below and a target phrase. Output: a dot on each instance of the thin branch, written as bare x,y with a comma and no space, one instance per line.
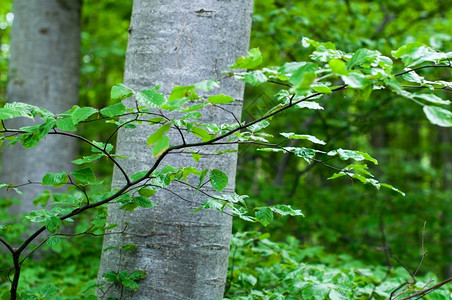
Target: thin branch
424,292
422,67
7,245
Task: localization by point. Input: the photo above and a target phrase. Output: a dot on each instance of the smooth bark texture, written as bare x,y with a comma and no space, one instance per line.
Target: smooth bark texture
43,71
184,255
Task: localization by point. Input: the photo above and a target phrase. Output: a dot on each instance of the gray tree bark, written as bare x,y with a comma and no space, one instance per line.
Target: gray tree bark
184,255
43,71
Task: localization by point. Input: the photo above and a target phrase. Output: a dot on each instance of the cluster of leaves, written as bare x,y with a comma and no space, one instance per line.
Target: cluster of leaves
180,114
263,269
412,154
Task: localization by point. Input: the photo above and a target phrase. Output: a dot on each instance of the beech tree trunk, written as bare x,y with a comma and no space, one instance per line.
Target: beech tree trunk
184,255
43,71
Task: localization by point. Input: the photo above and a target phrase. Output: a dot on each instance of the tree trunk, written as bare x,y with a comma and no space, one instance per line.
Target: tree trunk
43,71
184,255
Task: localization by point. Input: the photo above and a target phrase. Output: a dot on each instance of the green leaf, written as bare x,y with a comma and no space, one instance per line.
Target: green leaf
120,92
264,215
255,77
415,54
363,57
114,110
84,175
180,92
131,206
82,113
338,67
220,99
42,199
438,116
309,105
86,159
290,67
137,275
53,224
146,192
304,76
210,203
151,97
53,240
218,179
207,85
392,188
101,145
196,156
355,80
285,210
158,134
129,247
143,201
322,89
352,154
111,276
406,49
431,98
8,113
55,179
160,146
201,133
251,60
66,124
305,153
130,284
259,126
310,138
138,175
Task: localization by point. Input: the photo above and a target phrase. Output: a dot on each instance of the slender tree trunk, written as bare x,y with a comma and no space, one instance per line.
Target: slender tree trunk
184,255
43,71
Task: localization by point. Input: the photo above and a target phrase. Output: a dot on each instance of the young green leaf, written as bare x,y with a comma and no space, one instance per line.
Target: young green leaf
86,159
201,133
158,134
438,116
82,113
53,224
120,92
251,60
310,138
66,124
143,201
338,67
264,215
322,89
114,110
84,175
180,92
218,179
220,99
160,146
151,97
363,57
55,179
207,85
310,105
304,76
255,77
355,80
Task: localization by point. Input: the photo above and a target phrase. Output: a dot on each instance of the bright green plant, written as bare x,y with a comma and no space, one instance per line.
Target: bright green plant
302,84
263,269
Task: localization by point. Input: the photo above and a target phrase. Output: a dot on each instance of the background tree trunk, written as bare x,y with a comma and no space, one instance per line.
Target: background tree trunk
43,71
184,255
